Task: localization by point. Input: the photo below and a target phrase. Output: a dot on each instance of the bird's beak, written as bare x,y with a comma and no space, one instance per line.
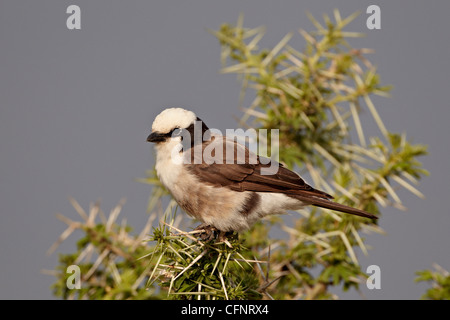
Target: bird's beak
156,137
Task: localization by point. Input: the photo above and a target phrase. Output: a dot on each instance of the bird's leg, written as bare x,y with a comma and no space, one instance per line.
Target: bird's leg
209,232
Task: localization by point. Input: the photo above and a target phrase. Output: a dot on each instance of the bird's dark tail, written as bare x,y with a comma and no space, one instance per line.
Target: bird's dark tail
328,204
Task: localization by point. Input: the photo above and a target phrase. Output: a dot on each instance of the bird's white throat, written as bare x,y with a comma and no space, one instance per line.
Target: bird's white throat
168,164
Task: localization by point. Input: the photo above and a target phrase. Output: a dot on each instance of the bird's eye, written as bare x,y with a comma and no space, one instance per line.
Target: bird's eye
176,132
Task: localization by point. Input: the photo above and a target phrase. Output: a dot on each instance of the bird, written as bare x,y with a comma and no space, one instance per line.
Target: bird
226,196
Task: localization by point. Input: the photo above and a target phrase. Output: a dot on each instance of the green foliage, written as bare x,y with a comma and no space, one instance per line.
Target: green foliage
188,268
107,257
440,281
314,97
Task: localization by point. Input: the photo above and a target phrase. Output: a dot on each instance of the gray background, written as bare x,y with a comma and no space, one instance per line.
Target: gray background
77,106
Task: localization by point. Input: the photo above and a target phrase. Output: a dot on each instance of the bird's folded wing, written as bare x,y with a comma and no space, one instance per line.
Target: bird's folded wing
240,170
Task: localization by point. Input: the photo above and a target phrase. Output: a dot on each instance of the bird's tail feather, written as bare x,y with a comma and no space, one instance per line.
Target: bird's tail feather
328,204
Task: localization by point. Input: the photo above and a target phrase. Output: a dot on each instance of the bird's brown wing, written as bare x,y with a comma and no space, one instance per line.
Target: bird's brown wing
247,176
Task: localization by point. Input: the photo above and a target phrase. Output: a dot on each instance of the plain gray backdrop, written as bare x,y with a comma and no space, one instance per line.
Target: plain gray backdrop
76,107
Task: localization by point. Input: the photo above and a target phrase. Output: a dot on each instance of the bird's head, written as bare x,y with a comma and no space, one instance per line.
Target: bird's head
174,123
